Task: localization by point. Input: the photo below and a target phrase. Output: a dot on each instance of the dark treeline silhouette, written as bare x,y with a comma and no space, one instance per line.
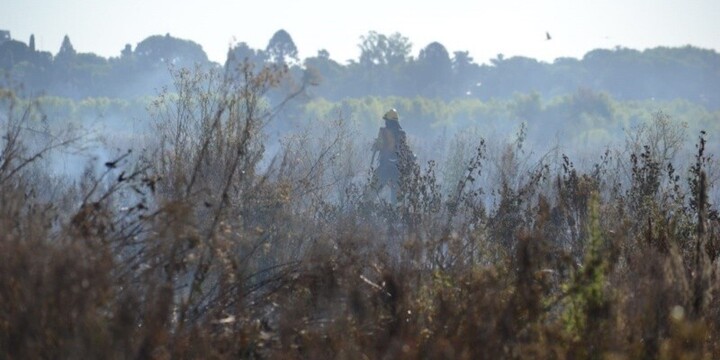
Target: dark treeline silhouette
385,67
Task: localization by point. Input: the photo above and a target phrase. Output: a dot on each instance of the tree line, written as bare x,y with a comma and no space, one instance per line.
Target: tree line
385,67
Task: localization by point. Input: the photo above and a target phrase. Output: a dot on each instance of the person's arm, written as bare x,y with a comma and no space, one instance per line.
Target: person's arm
379,141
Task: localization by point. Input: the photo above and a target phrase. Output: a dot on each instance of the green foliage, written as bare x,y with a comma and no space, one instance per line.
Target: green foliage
587,297
380,49
386,67
587,124
159,51
281,49
434,74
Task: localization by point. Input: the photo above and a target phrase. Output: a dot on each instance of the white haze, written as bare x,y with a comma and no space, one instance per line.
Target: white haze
485,28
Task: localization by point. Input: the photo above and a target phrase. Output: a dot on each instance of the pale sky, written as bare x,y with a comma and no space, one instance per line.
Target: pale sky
485,28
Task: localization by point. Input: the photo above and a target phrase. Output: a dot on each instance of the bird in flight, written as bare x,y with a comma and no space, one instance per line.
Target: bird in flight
547,36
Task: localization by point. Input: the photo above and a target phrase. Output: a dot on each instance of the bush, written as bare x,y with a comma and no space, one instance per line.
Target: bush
200,247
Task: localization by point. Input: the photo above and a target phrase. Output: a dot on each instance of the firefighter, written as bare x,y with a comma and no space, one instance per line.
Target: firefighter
393,154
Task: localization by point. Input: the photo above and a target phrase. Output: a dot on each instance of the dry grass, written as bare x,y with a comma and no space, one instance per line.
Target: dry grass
187,251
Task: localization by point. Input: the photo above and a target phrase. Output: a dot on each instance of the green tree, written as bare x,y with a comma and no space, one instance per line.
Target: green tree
243,52
434,71
380,49
281,49
65,79
13,52
465,73
328,72
67,51
382,68
516,74
158,51
126,51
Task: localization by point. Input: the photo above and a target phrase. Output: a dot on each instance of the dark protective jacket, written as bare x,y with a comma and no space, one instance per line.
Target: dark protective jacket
391,146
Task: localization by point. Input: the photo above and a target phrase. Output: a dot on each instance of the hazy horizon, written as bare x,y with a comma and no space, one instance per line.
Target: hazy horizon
511,28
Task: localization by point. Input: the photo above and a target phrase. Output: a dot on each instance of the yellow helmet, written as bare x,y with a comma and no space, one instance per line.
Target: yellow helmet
392,114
